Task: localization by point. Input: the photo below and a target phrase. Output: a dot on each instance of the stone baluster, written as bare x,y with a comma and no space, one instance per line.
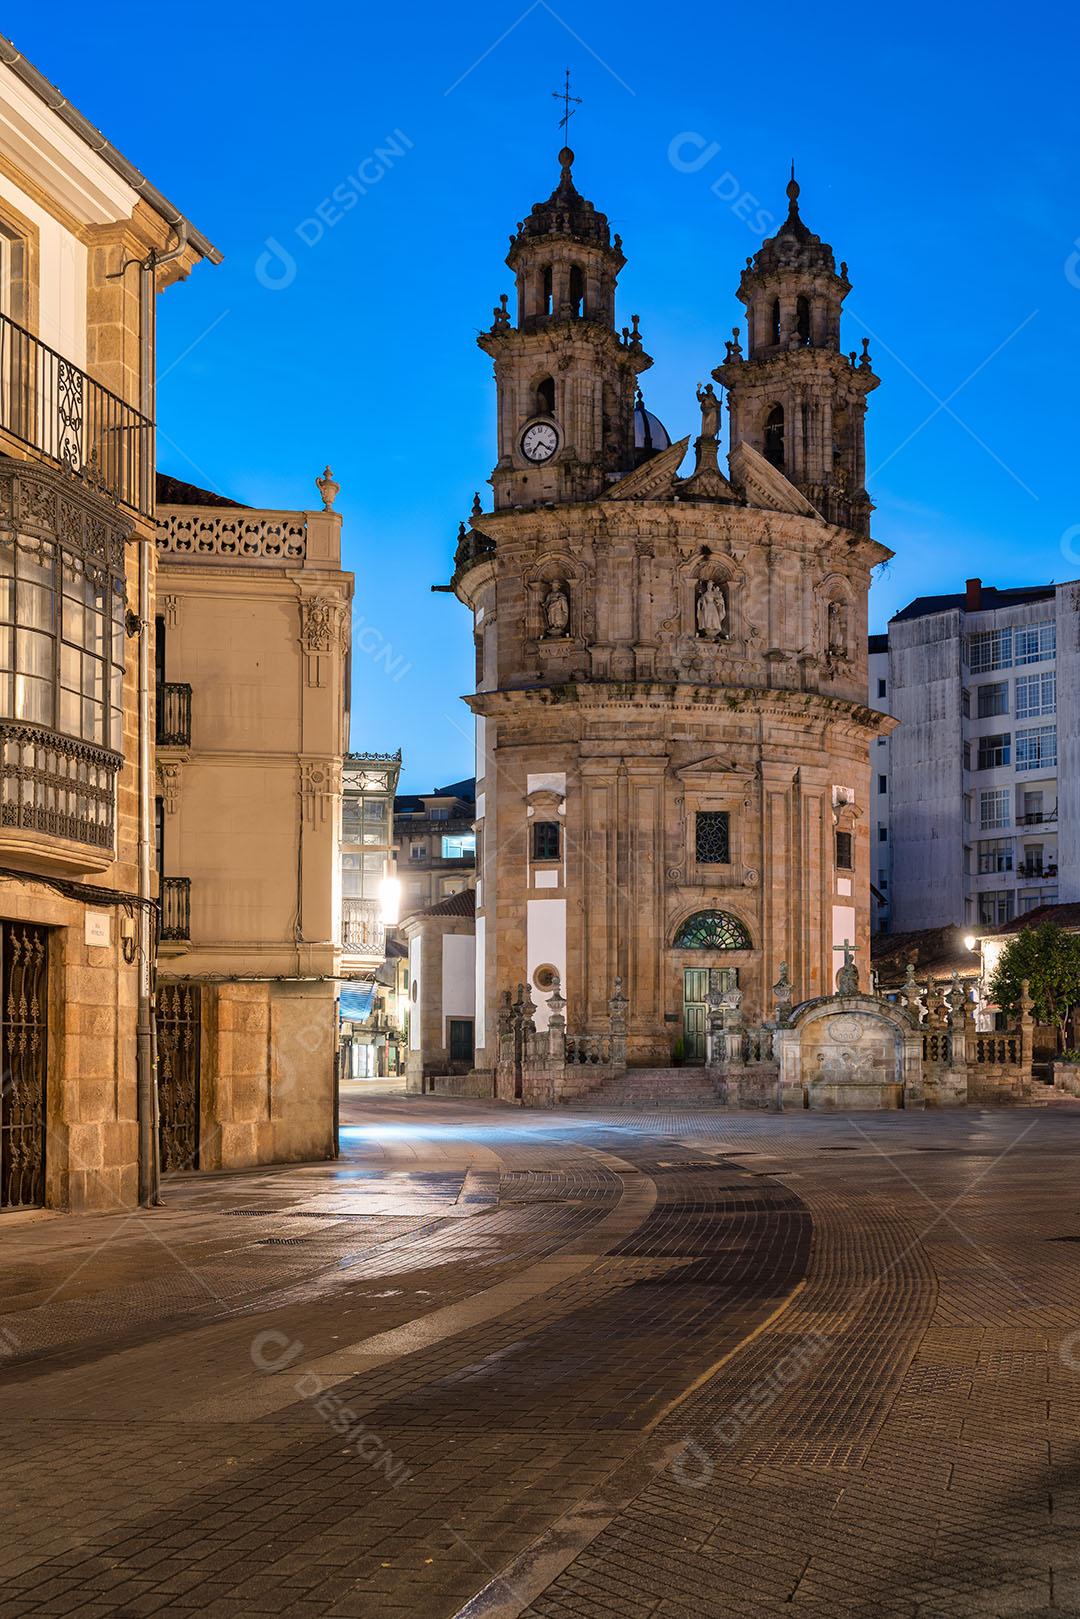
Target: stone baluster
557,1028
783,995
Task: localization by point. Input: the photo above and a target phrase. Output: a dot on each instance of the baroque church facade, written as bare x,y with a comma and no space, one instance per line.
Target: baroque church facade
672,735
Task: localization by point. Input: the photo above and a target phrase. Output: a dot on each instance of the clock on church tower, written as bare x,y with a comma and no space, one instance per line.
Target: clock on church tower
672,731
565,377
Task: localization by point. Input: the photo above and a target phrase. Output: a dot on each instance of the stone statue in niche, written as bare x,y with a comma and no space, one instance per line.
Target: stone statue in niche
711,611
557,611
838,628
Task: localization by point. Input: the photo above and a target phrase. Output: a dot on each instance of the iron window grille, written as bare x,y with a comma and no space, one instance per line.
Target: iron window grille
712,930
545,840
845,851
712,838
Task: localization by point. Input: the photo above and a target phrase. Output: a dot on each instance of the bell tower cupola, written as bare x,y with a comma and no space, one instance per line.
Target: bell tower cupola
566,377
795,397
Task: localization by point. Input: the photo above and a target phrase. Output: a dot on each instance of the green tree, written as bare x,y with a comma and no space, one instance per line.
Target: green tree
1049,958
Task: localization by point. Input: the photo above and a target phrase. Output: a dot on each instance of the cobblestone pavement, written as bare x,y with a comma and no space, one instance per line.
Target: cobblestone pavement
495,1363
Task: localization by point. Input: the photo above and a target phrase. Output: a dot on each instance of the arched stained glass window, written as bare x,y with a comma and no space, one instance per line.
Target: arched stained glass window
712,930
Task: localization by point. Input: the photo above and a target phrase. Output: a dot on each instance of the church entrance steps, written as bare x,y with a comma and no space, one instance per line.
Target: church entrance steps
652,1087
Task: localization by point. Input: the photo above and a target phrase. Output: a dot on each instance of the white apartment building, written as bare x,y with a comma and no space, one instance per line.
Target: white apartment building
975,802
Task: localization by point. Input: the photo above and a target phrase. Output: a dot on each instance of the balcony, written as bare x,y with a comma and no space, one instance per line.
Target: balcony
1037,818
52,407
173,714
363,932
57,786
1035,871
176,908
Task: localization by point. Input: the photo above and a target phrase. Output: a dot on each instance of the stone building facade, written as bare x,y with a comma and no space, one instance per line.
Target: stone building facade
86,244
253,640
672,732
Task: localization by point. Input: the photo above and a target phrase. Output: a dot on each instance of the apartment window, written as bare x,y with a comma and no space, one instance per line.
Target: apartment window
64,670
882,687
545,840
965,703
882,741
417,851
1036,748
883,882
883,784
994,808
1029,901
1033,862
1035,695
459,845
968,809
845,851
996,907
712,838
994,750
1037,643
993,699
995,855
440,813
883,834
989,649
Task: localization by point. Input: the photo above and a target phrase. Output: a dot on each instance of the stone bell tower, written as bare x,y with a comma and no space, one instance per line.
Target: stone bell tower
795,398
672,737
565,376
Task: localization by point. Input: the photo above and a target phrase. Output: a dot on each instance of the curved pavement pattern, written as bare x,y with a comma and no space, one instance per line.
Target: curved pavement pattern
501,1363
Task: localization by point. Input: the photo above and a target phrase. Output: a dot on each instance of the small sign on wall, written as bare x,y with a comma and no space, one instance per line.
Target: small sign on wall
98,927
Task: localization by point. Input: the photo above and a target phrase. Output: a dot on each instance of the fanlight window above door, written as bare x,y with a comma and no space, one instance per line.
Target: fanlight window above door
712,930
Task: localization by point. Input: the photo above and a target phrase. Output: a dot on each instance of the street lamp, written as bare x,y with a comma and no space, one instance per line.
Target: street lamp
970,941
389,901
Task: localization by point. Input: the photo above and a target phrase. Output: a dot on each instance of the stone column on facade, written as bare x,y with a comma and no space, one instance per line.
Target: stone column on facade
1027,1028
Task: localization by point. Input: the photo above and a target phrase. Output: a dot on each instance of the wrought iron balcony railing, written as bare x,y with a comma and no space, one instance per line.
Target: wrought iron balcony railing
51,405
362,930
176,907
1037,818
173,714
57,785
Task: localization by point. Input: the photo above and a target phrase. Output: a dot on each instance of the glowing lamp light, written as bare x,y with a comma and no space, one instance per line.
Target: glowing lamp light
389,901
970,941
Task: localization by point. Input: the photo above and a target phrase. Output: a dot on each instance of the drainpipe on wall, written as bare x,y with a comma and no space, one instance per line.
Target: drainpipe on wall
149,1189
146,1054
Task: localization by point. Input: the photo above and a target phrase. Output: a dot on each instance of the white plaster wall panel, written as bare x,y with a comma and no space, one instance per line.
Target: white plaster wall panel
546,781
546,946
62,271
458,975
415,992
479,966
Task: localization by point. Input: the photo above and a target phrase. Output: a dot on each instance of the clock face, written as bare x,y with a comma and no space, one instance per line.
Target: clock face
539,442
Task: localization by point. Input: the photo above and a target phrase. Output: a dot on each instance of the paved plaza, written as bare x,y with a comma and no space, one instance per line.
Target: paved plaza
499,1363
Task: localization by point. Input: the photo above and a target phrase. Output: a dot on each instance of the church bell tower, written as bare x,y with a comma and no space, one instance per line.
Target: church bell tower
795,398
565,376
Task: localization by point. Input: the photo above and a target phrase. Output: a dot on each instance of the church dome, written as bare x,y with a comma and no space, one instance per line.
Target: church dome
650,434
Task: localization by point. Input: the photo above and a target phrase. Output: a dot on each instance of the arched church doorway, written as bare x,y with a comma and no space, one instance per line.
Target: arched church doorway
709,932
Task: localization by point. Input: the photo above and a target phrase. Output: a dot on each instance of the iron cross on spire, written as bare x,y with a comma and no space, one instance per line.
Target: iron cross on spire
566,98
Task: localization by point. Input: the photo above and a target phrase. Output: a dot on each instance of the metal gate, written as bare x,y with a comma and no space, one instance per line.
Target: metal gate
179,1017
24,955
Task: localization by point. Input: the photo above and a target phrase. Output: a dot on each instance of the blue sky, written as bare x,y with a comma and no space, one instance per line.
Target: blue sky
935,146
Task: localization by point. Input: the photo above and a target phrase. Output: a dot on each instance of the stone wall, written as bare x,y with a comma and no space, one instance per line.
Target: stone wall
268,1067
